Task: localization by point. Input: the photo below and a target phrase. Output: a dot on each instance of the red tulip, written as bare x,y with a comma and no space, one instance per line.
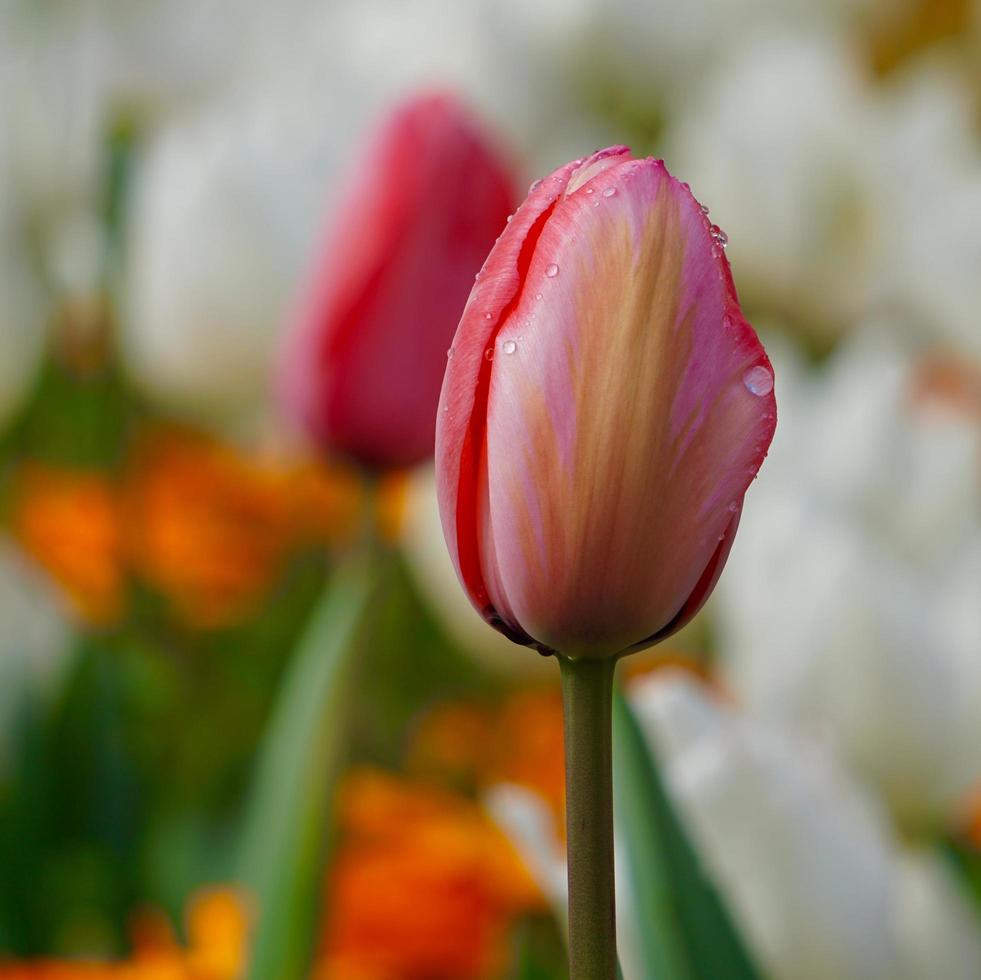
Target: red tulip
604,410
364,363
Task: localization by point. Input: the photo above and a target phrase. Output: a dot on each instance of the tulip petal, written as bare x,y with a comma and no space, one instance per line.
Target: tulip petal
364,370
461,420
629,406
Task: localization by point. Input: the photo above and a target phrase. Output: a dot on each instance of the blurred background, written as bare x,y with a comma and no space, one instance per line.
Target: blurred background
166,170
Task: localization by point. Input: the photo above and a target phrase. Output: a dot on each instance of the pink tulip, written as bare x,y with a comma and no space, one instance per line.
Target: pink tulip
605,407
364,363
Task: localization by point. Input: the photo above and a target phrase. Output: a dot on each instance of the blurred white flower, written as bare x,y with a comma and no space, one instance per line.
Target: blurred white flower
776,144
433,572
665,47
156,56
820,885
34,641
225,207
938,929
849,607
929,180
50,106
51,150
801,854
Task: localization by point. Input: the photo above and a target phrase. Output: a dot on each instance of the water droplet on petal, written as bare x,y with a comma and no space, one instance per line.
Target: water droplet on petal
733,507
535,184
551,270
509,347
509,217
758,380
489,354
488,316
589,190
703,208
719,235
449,353
538,295
609,191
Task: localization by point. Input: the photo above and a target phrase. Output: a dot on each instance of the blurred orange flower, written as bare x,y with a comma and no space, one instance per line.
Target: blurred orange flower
208,527
68,520
205,524
217,924
423,888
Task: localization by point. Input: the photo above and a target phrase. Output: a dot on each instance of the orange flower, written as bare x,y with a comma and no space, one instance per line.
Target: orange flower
210,527
217,932
423,888
207,527
68,520
217,926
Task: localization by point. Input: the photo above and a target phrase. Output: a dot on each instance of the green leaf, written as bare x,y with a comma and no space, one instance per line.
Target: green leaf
287,824
685,930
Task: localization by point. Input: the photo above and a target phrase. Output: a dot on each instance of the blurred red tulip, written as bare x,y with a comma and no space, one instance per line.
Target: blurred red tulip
604,410
364,363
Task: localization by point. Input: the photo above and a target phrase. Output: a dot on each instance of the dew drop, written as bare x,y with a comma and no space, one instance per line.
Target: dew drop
489,354
509,218
538,295
719,235
488,316
509,347
535,184
590,190
703,208
733,507
449,353
758,380
609,191
551,270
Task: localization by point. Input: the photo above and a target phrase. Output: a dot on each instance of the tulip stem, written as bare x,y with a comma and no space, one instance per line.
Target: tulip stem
587,695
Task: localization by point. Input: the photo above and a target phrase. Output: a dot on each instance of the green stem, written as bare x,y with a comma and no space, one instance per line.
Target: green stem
587,694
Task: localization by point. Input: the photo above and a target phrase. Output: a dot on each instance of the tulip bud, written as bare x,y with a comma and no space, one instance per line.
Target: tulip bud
604,410
363,367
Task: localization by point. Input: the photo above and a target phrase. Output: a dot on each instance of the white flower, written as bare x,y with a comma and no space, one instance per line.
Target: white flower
806,861
802,858
224,212
929,183
938,929
849,606
775,142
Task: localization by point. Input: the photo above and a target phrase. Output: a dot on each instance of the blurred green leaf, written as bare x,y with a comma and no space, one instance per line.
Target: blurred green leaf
284,848
685,931
539,950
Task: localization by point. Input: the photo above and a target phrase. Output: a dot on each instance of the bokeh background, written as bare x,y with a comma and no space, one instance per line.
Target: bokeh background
167,168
